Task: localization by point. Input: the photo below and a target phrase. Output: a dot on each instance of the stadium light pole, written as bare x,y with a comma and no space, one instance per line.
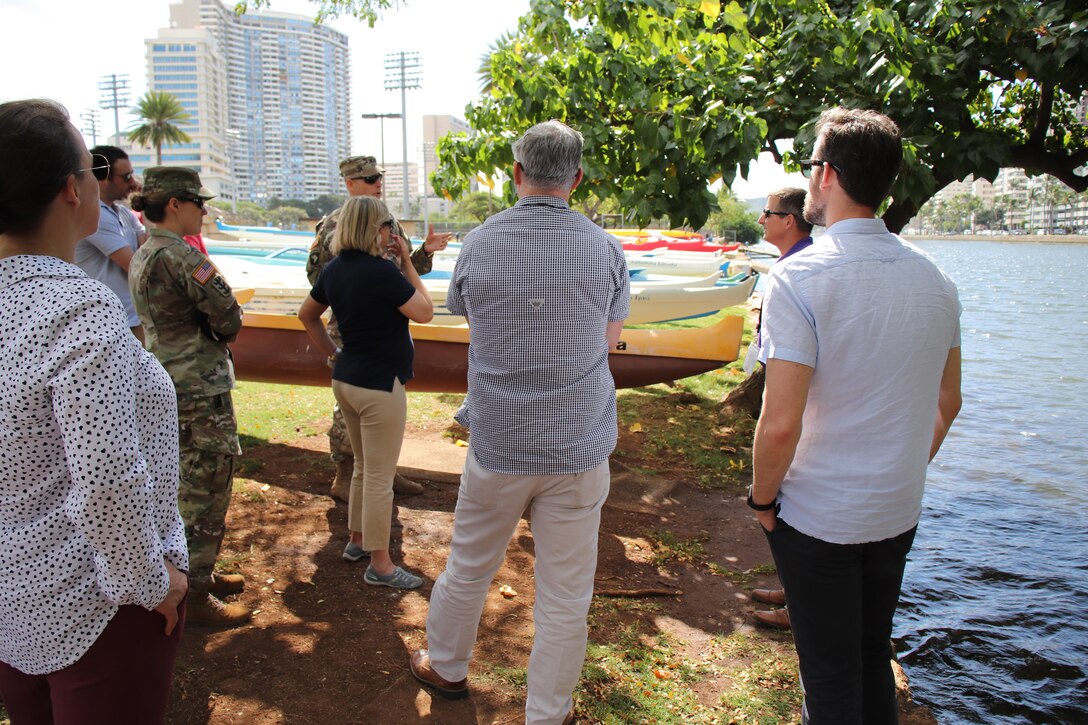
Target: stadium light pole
381,125
403,72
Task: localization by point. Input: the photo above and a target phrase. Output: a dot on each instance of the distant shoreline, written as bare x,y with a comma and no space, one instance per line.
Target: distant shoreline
1049,238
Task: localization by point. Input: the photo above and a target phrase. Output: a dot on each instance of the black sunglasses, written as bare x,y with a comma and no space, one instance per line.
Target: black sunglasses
806,167
372,179
194,199
768,212
127,177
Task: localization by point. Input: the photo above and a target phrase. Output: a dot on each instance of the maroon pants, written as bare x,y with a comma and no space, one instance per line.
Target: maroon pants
124,678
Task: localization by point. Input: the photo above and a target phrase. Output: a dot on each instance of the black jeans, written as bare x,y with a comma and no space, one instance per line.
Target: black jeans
842,598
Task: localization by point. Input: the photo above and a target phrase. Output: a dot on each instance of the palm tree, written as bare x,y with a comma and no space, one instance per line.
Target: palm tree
157,113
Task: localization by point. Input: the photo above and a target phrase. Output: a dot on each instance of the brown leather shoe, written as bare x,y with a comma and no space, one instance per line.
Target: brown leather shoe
224,585
341,485
776,597
406,487
208,611
420,663
777,618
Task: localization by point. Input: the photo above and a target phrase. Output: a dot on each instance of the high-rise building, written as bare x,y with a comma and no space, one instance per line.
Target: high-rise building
269,91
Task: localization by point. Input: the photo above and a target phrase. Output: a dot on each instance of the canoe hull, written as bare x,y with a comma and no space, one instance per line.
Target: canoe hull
274,349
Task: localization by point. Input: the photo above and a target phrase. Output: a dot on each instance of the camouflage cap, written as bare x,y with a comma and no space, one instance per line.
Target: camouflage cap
162,180
355,166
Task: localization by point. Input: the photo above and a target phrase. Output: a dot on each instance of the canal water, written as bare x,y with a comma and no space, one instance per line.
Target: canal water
993,622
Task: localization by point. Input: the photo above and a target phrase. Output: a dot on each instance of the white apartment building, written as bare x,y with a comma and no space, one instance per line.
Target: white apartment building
271,94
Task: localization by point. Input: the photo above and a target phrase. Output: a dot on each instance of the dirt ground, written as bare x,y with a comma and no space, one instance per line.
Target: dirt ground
326,648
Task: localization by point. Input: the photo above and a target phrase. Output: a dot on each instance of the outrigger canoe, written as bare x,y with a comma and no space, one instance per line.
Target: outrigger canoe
276,349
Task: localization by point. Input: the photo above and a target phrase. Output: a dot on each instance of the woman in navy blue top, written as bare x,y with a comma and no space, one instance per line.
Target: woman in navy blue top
374,291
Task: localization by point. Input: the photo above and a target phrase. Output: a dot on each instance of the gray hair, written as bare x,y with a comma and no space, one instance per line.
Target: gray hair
550,154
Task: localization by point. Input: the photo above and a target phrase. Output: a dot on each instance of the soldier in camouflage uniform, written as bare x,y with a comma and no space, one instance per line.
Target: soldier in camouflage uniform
189,314
362,177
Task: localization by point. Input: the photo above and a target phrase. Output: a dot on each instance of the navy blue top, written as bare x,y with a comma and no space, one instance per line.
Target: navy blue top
364,293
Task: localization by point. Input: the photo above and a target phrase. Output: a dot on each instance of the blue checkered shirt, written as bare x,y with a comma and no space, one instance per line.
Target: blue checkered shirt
539,282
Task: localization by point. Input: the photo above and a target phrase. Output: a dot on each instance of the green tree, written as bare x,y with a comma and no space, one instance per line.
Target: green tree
734,216
286,216
673,94
158,113
324,204
476,206
368,10
248,214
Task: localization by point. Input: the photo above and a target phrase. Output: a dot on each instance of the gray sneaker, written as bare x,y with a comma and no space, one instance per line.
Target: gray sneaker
399,579
353,552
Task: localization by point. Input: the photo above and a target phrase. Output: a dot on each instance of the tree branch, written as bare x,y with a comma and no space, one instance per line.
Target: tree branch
1042,116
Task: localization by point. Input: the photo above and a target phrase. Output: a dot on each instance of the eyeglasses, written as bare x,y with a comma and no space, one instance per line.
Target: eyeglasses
98,163
768,212
194,199
127,177
806,167
372,179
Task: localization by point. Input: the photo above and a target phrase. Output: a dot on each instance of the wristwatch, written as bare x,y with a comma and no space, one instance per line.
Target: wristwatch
760,506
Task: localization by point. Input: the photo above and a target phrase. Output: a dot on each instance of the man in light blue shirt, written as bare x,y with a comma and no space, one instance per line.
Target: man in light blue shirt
862,341
105,255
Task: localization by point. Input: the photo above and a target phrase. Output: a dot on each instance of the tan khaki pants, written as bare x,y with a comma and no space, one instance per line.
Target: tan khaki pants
375,425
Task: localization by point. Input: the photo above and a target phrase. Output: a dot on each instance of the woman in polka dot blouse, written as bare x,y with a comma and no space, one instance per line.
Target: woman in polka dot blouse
92,547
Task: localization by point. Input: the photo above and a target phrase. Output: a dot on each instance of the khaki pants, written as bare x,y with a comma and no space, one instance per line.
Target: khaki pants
375,424
566,514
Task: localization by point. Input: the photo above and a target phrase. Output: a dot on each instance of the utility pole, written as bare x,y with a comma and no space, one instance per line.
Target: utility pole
403,73
114,90
381,122
91,120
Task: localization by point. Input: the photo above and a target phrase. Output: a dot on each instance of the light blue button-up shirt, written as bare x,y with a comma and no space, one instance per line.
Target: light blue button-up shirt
875,318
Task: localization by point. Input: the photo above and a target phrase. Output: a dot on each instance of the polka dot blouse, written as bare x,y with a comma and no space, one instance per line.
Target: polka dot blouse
88,465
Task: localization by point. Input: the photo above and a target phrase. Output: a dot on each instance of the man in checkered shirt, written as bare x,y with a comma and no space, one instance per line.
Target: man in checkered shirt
545,292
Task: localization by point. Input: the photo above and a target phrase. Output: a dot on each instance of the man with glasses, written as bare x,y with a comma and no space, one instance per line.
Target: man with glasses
861,336
362,177
785,227
106,254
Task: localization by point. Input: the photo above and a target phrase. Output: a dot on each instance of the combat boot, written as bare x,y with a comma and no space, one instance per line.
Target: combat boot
406,487
341,485
224,585
204,609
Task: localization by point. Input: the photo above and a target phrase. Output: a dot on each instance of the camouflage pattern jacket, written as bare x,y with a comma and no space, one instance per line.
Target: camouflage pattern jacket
188,312
321,254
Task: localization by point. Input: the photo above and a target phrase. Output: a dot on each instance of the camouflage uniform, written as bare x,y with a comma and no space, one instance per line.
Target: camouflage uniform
189,314
321,255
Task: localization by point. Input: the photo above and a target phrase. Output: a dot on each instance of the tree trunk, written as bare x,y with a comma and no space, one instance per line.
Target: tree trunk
748,396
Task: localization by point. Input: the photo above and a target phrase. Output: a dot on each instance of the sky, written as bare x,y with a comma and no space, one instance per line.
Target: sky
60,49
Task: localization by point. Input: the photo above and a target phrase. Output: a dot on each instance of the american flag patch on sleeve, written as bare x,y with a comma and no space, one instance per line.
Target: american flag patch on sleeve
204,272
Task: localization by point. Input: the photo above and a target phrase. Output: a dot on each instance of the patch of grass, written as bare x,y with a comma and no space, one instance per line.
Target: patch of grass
636,678
248,465
231,563
765,687
269,413
742,579
678,426
433,410
605,612
512,677
668,548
